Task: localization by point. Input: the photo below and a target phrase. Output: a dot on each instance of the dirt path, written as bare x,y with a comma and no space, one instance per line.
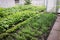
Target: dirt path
55,33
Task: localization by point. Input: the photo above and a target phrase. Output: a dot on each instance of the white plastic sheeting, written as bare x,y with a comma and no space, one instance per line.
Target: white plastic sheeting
33,2
7,3
38,2
58,5
51,5
21,2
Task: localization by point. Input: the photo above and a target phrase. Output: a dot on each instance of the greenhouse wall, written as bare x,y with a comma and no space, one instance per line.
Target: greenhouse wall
38,2
33,2
21,2
51,6
58,6
7,3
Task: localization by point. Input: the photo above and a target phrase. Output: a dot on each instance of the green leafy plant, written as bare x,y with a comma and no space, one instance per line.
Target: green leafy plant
31,28
16,18
9,11
25,22
27,2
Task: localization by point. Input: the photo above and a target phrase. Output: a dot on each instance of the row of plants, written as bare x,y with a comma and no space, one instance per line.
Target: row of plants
8,11
25,22
11,20
34,28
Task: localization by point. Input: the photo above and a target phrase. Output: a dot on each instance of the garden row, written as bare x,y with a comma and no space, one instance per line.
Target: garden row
8,11
28,24
11,20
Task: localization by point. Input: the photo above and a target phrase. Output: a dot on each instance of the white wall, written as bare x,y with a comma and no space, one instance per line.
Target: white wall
7,3
51,6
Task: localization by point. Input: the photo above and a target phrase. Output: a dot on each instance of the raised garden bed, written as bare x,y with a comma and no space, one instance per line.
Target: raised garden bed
27,24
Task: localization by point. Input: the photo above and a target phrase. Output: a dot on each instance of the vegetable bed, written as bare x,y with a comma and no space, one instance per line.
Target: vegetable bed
27,24
8,11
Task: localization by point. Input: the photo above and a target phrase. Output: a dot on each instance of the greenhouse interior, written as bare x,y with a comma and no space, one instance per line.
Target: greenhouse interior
29,19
